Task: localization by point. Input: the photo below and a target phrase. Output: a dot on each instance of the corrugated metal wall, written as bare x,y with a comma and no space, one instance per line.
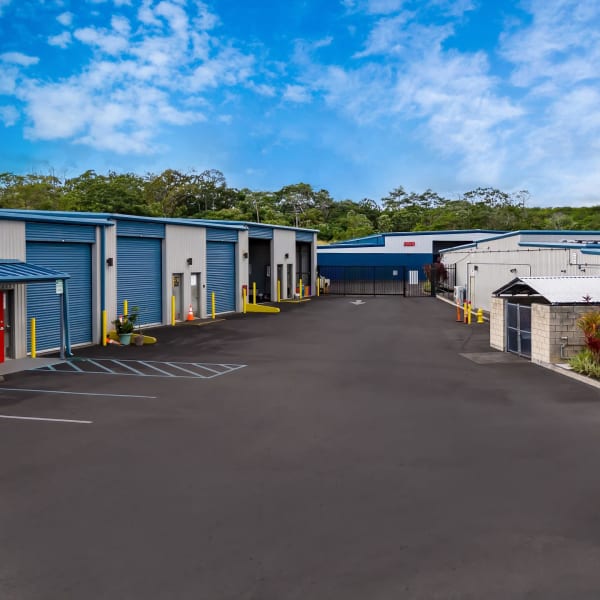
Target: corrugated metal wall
220,275
12,240
264,233
139,277
61,232
305,236
221,235
43,302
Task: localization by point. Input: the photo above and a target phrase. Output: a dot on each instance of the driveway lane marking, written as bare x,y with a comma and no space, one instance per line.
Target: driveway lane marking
18,418
3,389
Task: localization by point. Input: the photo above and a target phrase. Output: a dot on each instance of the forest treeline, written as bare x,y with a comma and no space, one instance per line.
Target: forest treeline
206,195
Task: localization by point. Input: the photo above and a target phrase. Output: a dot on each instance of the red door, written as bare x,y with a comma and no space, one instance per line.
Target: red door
1,327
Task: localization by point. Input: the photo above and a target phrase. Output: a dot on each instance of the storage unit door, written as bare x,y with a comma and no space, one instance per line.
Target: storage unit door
139,277
43,302
220,275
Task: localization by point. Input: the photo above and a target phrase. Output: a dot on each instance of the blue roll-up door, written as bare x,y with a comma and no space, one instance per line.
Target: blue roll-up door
43,302
139,277
220,275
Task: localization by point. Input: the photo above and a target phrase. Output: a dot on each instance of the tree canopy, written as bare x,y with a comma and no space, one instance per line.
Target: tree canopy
206,195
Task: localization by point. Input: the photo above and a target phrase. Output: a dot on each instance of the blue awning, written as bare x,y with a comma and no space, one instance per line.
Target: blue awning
21,272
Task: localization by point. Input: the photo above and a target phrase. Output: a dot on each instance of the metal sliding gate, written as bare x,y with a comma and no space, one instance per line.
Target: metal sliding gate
382,280
518,329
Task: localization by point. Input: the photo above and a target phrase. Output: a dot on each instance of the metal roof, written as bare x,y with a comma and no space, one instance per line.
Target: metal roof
20,272
556,290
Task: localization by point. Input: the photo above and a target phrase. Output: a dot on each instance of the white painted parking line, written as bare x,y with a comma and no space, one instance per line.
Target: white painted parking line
44,419
3,389
142,368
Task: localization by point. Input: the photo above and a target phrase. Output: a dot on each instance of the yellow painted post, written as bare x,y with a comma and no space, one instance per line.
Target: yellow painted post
300,288
469,313
33,340
214,305
244,299
318,286
254,292
480,315
172,310
465,313
125,307
104,329
279,290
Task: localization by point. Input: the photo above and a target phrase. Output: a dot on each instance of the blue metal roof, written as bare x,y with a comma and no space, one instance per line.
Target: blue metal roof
49,217
269,225
20,272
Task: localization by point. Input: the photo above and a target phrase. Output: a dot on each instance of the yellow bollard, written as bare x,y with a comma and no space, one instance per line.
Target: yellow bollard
465,313
33,340
469,313
125,307
254,292
244,299
172,310
480,315
104,329
300,288
214,305
318,286
279,290
458,317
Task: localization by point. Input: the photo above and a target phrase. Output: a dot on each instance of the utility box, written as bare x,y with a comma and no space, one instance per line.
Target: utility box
459,294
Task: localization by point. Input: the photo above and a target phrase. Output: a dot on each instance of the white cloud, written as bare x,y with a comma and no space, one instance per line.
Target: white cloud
146,73
297,93
65,18
205,20
9,115
8,79
120,25
18,58
102,39
560,47
379,7
62,40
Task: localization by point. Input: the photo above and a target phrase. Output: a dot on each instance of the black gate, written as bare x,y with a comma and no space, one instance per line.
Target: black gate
382,281
518,329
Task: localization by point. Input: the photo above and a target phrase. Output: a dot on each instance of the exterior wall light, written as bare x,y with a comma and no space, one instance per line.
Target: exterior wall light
245,255
109,262
189,261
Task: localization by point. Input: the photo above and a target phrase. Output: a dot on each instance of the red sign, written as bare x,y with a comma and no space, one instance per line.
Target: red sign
409,243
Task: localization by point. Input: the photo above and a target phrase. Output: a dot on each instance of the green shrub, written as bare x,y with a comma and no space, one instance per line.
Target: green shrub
590,325
586,363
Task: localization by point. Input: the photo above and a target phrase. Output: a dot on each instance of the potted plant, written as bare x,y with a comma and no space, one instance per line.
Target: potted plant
125,326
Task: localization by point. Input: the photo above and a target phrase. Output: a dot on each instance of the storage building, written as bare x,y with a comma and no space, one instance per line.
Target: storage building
484,265
162,266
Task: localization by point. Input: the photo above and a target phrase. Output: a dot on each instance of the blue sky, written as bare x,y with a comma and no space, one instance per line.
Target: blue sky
354,96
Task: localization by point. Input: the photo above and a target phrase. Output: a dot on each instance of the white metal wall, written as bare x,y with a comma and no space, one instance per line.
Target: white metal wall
181,243
111,276
284,242
483,271
12,246
241,266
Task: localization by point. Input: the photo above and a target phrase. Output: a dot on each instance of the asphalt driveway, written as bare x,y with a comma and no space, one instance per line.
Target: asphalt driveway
349,452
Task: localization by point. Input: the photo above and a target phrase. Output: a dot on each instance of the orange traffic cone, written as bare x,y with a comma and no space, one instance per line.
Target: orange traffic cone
190,316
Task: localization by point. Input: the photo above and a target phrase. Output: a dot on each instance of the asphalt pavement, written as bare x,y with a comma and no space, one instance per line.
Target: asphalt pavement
379,451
